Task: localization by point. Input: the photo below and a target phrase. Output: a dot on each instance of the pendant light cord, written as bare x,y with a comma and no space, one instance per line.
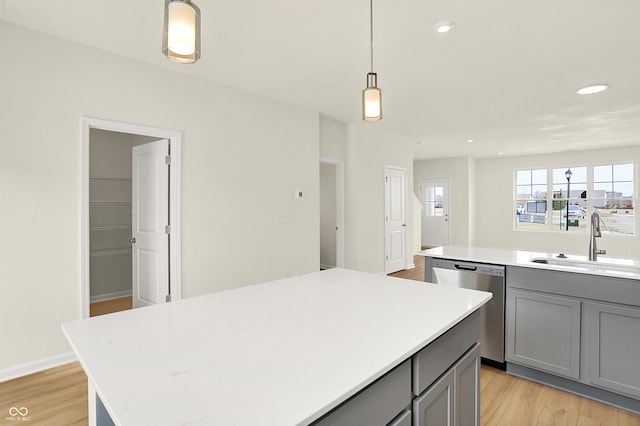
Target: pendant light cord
371,27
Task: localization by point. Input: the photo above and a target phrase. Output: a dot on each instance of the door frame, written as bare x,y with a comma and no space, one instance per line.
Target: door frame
175,196
339,164
406,265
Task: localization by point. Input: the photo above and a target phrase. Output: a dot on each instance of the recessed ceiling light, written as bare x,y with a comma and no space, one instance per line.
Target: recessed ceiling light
444,26
470,141
500,153
590,90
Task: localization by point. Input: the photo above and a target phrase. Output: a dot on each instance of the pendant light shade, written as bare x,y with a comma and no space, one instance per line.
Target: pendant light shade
372,99
371,95
181,40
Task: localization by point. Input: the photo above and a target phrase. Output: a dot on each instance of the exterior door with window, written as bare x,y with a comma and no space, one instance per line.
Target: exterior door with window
434,196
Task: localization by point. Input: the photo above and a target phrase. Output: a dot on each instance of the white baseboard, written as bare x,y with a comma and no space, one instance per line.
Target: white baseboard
110,296
410,266
36,366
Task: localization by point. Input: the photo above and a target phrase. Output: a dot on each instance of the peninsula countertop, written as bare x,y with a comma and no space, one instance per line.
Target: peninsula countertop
605,265
284,352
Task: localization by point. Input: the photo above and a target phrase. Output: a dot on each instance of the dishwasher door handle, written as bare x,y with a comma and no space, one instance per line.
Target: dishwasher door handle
466,268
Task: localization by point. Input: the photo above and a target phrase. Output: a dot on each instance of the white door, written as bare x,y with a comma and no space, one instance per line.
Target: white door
395,219
150,219
434,196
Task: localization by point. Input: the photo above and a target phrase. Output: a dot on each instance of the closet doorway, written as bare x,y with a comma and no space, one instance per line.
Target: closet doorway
131,216
331,213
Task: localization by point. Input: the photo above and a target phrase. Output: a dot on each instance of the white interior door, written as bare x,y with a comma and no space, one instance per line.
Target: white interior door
395,181
150,220
434,196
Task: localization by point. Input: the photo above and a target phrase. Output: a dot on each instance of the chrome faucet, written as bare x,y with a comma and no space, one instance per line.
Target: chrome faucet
595,232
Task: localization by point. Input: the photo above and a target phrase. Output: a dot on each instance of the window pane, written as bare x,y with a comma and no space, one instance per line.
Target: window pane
523,192
600,189
623,172
539,191
523,177
539,176
579,175
624,189
602,174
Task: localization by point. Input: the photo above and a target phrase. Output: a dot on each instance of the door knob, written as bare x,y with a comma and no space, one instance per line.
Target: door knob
132,240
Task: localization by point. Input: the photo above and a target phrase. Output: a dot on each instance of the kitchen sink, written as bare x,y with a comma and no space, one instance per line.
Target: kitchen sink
585,265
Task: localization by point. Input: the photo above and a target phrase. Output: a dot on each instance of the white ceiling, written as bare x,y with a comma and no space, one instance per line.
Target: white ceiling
506,77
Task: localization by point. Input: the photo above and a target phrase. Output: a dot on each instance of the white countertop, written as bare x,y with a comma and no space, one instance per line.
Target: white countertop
280,353
523,258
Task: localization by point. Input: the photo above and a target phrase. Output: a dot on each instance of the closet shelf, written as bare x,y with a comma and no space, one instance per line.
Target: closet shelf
110,252
109,202
109,178
110,227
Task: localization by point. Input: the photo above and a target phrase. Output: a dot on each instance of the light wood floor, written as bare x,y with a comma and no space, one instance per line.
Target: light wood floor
58,396
110,306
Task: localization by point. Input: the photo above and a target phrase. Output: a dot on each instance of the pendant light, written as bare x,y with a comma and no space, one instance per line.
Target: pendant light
371,95
181,40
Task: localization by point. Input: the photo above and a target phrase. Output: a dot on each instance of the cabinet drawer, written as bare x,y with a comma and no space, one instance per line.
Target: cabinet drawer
378,404
432,361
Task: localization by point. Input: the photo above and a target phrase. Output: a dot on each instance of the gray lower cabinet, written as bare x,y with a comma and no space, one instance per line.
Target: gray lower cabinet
577,332
435,406
614,347
454,399
543,331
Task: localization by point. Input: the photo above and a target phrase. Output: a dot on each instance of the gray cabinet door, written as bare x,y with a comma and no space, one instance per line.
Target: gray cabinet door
467,389
543,332
435,407
614,347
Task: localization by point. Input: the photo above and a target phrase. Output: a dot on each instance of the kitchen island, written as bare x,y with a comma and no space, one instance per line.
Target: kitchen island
296,351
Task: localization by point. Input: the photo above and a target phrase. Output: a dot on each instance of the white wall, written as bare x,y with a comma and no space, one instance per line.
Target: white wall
456,171
493,212
367,152
243,158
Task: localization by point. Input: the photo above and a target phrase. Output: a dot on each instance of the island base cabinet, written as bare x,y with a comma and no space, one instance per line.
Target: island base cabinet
543,332
614,347
454,399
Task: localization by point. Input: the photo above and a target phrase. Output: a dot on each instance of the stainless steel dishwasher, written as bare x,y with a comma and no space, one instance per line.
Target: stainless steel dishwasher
485,277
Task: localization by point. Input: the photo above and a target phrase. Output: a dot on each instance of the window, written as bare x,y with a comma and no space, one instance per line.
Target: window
613,196
531,199
545,201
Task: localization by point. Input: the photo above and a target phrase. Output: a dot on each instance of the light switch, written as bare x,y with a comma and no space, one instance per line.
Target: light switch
298,194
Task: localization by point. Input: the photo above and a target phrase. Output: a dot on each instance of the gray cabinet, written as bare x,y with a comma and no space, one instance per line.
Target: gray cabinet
576,332
435,405
614,347
543,331
467,389
453,400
